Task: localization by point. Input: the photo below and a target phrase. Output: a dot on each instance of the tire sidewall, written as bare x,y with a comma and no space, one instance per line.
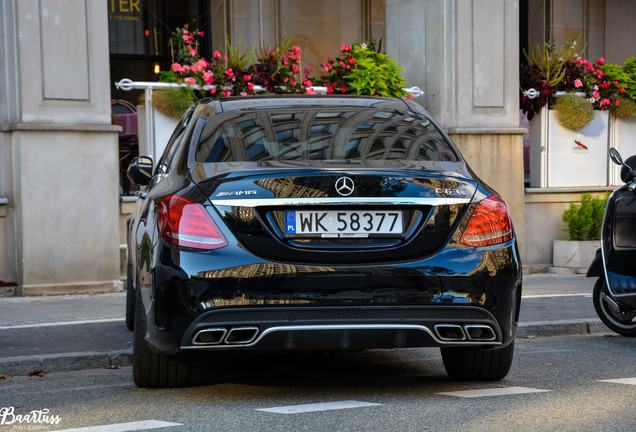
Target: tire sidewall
605,315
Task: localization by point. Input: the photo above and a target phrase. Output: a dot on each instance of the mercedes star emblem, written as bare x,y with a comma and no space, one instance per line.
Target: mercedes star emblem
344,186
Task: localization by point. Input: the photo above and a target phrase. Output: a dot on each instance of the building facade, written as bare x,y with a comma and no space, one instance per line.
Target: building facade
60,207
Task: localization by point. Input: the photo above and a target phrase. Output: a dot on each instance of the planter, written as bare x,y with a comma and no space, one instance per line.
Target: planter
560,157
155,129
576,255
622,136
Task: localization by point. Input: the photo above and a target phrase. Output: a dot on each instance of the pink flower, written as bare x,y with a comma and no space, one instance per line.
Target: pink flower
216,55
229,72
409,96
310,90
617,104
243,93
293,83
295,68
250,86
590,67
578,83
190,81
247,77
601,60
186,68
200,33
208,77
177,67
193,52
226,93
199,66
307,83
622,90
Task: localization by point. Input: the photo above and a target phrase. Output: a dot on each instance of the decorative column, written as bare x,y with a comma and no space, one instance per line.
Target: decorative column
59,181
464,54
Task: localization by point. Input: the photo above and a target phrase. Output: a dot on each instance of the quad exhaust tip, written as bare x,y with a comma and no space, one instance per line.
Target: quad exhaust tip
468,332
212,336
217,336
241,335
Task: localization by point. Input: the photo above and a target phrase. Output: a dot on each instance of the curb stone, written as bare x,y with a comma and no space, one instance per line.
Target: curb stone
561,328
49,363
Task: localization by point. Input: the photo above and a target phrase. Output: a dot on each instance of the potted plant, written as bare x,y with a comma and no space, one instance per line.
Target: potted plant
572,97
583,224
622,121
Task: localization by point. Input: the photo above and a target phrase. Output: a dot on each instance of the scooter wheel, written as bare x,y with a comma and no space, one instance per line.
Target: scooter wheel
621,322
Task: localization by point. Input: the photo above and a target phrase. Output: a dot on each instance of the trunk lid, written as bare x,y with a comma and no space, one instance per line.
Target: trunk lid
392,210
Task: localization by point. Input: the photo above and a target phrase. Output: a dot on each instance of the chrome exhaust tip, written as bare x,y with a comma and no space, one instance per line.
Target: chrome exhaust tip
480,332
211,336
450,332
241,335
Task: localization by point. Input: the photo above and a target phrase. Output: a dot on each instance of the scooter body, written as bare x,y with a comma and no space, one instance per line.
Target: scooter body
615,263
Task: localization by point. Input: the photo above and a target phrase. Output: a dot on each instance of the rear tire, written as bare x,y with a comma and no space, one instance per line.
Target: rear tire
155,370
478,363
622,324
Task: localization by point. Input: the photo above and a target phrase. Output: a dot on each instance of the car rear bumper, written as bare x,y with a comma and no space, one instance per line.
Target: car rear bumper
269,306
330,328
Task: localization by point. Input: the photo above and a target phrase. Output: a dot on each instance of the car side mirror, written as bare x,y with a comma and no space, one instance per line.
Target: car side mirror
140,170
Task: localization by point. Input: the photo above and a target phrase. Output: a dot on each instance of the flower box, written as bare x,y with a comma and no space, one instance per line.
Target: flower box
155,129
576,255
560,157
622,136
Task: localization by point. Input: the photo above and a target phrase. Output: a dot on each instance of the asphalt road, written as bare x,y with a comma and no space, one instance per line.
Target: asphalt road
556,384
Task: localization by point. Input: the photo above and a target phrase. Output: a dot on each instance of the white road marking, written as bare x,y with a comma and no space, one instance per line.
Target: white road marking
326,406
125,427
556,295
59,323
500,391
630,381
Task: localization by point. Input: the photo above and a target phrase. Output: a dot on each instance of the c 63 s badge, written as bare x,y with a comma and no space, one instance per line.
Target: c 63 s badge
450,192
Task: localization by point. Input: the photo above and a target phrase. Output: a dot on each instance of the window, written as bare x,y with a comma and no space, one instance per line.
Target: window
321,133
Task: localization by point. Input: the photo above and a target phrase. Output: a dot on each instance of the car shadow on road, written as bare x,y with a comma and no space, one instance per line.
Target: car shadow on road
324,370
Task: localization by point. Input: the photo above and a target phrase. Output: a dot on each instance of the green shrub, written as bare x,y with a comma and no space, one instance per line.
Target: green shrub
585,219
625,110
573,112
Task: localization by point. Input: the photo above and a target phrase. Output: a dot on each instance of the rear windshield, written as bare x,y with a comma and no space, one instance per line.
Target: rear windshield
321,133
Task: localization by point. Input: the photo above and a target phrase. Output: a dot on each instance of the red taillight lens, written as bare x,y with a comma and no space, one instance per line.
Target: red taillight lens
186,223
490,224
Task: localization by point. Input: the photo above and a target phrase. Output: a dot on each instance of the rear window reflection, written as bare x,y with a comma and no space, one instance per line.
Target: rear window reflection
319,133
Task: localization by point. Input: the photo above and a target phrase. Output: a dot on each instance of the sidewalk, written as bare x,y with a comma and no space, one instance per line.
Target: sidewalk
61,333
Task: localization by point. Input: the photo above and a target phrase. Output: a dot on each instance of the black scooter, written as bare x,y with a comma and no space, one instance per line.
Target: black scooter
615,262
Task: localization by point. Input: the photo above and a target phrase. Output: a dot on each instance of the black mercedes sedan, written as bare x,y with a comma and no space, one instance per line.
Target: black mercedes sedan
317,223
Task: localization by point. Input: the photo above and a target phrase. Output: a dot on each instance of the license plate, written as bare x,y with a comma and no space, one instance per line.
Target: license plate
344,223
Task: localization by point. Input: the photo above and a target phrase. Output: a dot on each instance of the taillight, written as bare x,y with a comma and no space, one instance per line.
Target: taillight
489,224
186,223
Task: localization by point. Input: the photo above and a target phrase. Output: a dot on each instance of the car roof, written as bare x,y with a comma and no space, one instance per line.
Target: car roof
288,101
